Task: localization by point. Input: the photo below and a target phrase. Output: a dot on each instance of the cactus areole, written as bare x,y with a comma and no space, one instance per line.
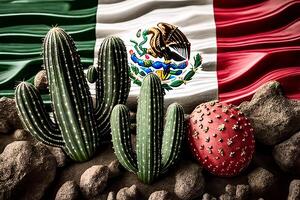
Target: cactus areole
157,147
221,138
78,127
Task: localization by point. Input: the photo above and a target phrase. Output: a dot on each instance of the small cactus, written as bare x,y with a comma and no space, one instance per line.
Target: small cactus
156,149
75,126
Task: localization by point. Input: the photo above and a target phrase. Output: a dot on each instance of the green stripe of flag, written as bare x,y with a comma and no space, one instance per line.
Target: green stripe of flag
24,23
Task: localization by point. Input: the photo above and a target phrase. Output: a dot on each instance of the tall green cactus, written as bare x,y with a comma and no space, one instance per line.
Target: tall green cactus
156,149
112,87
75,126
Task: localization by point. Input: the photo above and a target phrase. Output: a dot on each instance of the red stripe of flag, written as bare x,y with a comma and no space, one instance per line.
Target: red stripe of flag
257,41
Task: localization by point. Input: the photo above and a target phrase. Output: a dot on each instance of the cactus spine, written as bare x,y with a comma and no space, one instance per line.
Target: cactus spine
156,148
75,126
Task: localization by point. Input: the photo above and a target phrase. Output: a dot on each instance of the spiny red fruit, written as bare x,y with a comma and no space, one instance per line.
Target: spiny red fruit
221,138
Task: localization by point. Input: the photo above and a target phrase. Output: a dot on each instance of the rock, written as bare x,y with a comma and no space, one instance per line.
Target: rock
274,117
226,196
242,192
207,196
40,80
261,180
26,170
287,154
94,180
160,195
294,190
126,193
230,189
186,117
68,191
21,134
114,169
132,117
189,181
9,119
111,196
4,126
60,156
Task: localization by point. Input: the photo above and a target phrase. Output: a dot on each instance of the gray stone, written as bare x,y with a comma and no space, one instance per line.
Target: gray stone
26,170
242,192
94,180
261,181
287,154
126,193
114,169
21,134
132,117
68,191
226,196
274,117
111,196
9,119
294,190
230,189
40,80
160,195
60,156
207,196
189,181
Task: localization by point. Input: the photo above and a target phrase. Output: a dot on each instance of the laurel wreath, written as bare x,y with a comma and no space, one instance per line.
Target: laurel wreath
137,75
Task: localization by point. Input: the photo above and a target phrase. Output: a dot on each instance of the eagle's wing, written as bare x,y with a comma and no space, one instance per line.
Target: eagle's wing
176,41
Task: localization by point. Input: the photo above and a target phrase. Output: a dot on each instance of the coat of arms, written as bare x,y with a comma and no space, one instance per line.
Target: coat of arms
165,51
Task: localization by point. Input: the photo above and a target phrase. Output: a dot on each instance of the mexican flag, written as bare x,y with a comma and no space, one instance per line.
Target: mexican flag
243,44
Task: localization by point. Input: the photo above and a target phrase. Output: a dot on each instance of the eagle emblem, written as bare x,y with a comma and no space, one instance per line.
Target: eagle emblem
165,51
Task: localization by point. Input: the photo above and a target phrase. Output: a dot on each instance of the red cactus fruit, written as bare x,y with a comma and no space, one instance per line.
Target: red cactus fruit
221,138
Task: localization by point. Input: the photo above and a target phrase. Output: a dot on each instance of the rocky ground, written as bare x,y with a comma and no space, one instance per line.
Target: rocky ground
31,170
